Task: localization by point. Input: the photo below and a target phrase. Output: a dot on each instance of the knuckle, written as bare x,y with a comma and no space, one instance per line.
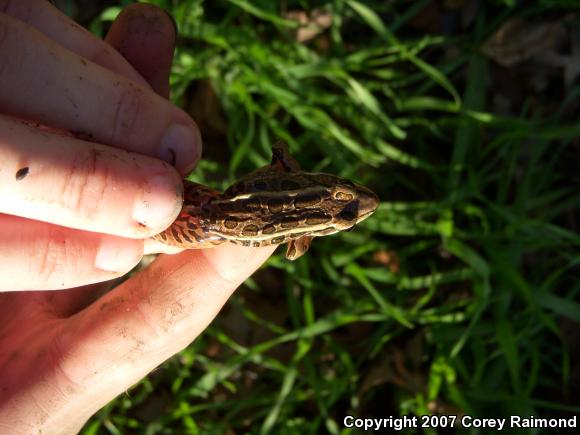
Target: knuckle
49,258
126,113
85,184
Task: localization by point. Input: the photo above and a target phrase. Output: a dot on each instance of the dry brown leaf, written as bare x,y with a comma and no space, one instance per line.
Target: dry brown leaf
311,25
389,259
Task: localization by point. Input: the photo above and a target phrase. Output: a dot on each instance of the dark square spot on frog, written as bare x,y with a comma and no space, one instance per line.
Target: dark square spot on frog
250,230
269,229
290,222
317,218
275,205
230,223
252,204
309,200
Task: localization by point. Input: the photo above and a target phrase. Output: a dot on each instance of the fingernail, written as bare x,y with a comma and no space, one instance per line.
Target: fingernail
116,254
181,147
160,202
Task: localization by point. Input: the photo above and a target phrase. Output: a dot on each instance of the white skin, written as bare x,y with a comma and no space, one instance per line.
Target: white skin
81,214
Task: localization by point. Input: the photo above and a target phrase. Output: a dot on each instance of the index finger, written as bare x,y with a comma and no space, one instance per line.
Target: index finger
47,19
77,95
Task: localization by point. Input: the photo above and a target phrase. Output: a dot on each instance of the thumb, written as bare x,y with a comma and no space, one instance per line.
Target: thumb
156,313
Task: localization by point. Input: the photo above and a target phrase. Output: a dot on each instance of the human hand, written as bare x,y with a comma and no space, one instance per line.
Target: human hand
65,354
105,193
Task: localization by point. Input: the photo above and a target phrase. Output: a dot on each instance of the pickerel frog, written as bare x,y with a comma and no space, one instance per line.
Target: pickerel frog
276,204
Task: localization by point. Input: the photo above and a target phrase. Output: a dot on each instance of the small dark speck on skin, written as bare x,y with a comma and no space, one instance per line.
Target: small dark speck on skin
22,173
84,62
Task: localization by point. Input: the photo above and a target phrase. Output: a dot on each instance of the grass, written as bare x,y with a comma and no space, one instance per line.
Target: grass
459,296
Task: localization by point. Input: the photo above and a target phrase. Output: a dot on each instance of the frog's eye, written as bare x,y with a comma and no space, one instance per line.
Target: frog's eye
343,196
